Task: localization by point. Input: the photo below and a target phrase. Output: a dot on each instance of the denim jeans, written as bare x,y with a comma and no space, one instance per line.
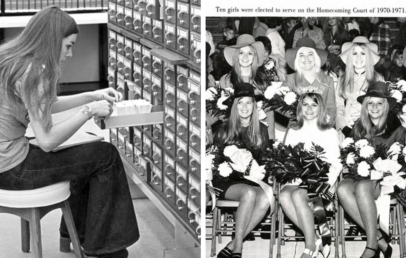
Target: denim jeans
100,198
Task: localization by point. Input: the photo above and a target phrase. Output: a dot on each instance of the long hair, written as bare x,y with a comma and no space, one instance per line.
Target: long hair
29,64
236,70
233,131
322,123
347,82
364,128
299,75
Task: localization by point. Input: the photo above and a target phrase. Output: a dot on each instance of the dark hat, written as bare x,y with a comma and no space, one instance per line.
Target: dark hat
245,90
304,42
379,90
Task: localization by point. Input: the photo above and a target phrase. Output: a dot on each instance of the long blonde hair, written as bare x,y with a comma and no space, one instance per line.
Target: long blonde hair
31,60
236,69
299,77
364,128
347,82
233,131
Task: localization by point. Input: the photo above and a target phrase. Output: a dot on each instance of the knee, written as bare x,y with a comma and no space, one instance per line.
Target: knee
364,188
299,195
262,201
249,195
285,197
344,189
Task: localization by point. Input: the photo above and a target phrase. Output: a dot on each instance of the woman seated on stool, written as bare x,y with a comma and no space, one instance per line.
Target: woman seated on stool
30,70
311,127
243,127
378,125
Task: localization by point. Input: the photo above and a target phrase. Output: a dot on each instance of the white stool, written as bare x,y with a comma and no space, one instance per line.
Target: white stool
32,205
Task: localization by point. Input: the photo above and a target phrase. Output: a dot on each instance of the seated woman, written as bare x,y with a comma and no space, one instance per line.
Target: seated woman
243,127
306,60
359,56
245,58
100,199
311,127
378,125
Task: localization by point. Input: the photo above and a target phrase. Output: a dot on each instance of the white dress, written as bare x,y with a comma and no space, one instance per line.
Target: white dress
327,139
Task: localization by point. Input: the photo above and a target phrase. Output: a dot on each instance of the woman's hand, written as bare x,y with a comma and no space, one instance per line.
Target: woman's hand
108,94
102,108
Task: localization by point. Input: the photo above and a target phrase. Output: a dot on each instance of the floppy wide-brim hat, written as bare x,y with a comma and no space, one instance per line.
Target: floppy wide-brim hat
379,90
245,40
359,40
304,42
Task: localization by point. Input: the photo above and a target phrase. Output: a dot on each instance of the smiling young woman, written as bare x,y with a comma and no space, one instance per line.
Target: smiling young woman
378,125
360,56
307,60
311,127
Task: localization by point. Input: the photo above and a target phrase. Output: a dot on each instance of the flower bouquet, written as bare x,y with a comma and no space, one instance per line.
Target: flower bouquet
307,168
290,164
364,161
281,98
215,98
229,160
398,91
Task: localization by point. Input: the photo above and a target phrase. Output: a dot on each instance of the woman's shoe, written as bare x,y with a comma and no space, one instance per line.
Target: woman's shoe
64,242
376,253
310,252
225,253
324,250
236,255
388,251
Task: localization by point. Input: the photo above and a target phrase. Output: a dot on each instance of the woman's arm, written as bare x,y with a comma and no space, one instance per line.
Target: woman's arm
332,155
67,102
59,133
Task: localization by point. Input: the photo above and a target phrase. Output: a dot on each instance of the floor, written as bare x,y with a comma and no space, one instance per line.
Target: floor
157,234
260,248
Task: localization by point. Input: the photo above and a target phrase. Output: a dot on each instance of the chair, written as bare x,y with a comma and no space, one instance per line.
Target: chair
221,227
32,205
333,223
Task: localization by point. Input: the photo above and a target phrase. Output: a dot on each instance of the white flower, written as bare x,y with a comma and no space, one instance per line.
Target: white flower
397,95
210,92
230,150
395,157
260,104
361,143
395,148
350,159
229,90
363,169
283,90
220,101
367,151
346,142
290,98
225,169
270,64
401,85
270,91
